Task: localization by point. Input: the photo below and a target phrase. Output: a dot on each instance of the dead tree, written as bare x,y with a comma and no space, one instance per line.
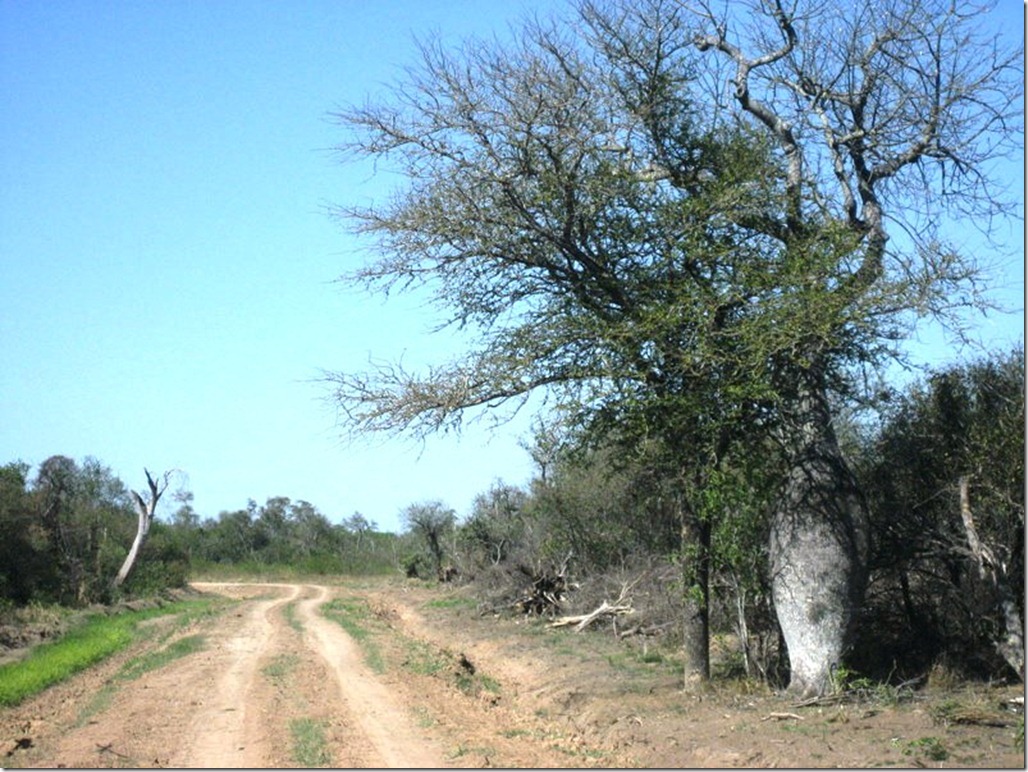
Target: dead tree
993,574
145,510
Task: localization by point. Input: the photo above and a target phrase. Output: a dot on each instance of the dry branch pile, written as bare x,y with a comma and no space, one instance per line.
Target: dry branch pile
545,595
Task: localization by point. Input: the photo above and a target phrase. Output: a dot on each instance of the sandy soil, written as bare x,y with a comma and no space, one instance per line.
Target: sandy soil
458,689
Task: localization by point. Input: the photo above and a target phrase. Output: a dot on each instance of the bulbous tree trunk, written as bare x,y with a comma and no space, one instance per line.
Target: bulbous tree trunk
818,548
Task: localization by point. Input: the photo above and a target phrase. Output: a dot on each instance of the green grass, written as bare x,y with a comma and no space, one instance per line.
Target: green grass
513,733
280,666
479,750
452,602
157,659
309,747
473,685
423,659
135,668
51,663
641,666
423,716
409,654
930,747
88,644
289,612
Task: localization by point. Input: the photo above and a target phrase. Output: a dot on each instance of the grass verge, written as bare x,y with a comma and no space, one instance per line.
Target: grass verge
158,659
52,662
409,654
96,639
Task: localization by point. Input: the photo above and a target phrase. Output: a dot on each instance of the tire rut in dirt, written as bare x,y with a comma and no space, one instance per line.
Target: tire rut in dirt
383,719
228,731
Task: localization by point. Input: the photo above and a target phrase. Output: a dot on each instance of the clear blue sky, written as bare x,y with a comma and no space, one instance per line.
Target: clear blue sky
167,263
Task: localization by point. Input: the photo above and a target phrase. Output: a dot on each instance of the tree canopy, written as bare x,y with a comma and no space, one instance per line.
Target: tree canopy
590,202
676,262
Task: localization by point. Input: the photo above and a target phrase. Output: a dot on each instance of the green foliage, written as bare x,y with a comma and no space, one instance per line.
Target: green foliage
416,565
286,537
963,420
162,564
929,747
684,272
495,528
431,522
64,535
26,572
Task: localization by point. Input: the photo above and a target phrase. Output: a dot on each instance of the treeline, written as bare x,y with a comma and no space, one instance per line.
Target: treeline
284,533
65,532
942,466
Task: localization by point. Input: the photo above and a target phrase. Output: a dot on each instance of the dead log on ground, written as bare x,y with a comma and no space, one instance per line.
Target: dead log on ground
621,606
582,621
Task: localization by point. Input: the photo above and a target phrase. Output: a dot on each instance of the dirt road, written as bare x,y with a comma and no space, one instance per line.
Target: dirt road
231,728
269,681
268,663
268,667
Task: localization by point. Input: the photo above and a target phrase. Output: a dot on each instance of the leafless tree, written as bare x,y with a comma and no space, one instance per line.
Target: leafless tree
145,510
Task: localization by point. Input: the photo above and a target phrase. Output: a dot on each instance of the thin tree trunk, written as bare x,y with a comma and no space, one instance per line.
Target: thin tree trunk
1010,643
742,628
696,575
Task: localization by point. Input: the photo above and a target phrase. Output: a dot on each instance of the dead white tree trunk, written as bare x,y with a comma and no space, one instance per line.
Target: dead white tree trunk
991,571
145,510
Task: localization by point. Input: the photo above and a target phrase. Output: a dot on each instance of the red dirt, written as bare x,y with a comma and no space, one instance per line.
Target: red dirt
539,698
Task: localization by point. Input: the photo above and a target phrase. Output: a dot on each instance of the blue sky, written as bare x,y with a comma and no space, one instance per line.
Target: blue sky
167,262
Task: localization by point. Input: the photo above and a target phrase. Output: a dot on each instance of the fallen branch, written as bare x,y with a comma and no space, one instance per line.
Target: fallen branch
109,748
824,699
582,621
646,630
623,605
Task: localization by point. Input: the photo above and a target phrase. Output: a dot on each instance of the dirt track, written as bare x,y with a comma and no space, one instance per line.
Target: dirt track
229,730
220,708
271,661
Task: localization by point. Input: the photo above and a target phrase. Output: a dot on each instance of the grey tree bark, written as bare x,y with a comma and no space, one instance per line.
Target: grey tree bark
818,550
882,110
145,510
993,574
